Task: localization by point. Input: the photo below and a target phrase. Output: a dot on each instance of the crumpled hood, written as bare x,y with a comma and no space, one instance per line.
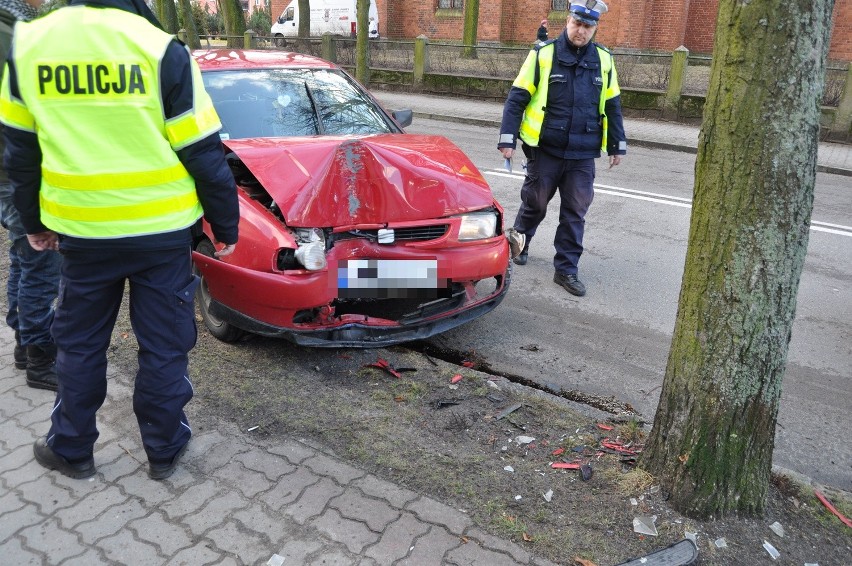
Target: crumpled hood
338,181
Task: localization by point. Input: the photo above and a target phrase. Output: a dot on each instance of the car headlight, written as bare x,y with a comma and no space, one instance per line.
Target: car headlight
311,250
478,226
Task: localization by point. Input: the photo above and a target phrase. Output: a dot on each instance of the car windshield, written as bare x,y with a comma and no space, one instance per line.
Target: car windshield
292,102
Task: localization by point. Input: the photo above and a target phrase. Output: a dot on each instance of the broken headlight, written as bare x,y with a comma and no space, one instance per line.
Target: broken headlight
311,250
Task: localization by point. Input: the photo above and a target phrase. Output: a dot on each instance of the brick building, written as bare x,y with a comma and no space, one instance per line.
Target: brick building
660,25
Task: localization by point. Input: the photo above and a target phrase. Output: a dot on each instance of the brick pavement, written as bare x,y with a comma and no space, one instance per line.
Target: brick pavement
233,500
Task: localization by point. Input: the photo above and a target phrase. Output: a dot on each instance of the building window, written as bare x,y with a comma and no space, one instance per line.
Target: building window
559,5
450,4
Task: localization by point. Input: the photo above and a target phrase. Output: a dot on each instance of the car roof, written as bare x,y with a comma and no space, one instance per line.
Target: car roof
239,59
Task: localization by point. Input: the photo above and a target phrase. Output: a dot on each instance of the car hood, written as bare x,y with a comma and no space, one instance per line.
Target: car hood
339,181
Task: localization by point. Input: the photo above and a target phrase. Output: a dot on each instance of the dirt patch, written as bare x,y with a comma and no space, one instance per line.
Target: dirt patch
460,444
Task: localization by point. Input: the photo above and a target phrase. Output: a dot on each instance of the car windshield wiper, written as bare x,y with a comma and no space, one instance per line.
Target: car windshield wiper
320,128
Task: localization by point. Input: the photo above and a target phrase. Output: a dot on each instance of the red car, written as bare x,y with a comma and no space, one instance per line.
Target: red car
352,232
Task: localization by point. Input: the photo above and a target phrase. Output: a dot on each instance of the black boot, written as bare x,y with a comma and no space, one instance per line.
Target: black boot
41,367
20,352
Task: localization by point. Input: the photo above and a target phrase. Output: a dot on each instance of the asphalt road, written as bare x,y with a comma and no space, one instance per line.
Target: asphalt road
615,340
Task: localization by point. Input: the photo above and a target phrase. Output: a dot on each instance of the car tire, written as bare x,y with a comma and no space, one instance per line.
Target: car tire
217,327
279,41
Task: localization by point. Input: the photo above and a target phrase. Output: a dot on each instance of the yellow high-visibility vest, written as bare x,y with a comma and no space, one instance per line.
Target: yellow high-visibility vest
109,167
533,119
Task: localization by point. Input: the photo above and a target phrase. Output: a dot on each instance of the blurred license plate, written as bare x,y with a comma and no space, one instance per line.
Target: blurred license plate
390,279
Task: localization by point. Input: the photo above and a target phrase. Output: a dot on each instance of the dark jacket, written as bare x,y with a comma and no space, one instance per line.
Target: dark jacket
572,124
204,160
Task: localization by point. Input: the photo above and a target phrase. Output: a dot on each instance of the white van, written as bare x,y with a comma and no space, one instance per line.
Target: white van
327,16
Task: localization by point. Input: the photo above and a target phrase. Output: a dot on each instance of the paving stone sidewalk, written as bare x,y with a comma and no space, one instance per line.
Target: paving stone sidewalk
233,500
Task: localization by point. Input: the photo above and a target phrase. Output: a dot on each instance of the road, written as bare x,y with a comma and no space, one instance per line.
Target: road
615,340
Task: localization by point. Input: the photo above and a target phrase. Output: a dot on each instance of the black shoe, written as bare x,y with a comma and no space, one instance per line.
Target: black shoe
570,283
161,470
49,459
41,367
20,357
522,258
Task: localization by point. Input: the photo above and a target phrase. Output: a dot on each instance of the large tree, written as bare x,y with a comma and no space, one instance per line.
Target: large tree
167,14
189,25
362,45
713,435
235,21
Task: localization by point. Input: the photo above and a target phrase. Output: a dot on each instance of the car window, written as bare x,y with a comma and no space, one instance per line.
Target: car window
292,102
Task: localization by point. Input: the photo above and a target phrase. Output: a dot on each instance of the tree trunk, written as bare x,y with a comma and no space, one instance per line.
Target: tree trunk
189,25
304,18
712,441
362,45
167,14
235,22
471,24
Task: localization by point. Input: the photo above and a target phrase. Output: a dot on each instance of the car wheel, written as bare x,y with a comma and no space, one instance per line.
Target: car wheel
279,41
217,327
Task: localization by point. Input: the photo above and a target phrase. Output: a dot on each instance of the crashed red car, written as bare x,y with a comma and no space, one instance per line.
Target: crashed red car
352,232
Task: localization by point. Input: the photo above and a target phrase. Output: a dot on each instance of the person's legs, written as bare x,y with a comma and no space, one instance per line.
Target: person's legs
90,295
576,190
163,316
12,285
538,189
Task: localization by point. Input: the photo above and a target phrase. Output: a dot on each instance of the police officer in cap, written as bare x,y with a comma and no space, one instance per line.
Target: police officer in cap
565,106
113,150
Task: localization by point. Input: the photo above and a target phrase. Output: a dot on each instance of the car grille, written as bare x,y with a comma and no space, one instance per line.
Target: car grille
409,234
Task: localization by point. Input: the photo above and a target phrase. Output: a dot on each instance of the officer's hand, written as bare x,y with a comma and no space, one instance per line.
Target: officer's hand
507,152
614,160
44,241
227,250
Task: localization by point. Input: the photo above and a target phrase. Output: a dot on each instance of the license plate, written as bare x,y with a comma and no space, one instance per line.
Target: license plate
389,279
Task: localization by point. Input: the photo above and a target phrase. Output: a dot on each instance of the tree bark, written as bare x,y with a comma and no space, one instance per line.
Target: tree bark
713,435
189,25
235,22
471,26
304,18
167,14
362,45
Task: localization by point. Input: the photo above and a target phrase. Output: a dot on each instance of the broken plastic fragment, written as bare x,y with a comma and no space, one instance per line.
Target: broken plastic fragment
604,426
252,428
558,451
771,550
275,560
518,498
777,529
524,439
644,526
633,501
565,465
548,496
456,378
585,472
508,468
691,536
720,543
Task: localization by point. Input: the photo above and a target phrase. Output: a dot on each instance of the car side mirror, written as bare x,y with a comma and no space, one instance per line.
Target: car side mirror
403,117
280,19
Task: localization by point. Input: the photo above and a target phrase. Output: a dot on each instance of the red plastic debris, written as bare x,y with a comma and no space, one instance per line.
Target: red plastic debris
565,465
558,451
616,447
385,365
468,364
831,508
604,426
456,378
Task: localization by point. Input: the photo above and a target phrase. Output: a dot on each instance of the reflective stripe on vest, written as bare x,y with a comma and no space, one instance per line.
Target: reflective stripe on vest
109,167
533,119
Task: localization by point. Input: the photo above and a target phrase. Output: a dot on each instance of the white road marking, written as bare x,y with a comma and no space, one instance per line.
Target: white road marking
816,226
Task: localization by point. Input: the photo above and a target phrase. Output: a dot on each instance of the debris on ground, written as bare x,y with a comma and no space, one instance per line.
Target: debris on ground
681,553
645,525
777,529
456,378
382,363
548,496
508,411
831,508
531,348
773,552
721,543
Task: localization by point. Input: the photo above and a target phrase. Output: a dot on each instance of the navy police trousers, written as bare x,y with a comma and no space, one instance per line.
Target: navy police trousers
575,179
162,314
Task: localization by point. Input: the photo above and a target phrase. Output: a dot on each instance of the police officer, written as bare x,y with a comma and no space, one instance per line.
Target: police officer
113,151
565,106
33,276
